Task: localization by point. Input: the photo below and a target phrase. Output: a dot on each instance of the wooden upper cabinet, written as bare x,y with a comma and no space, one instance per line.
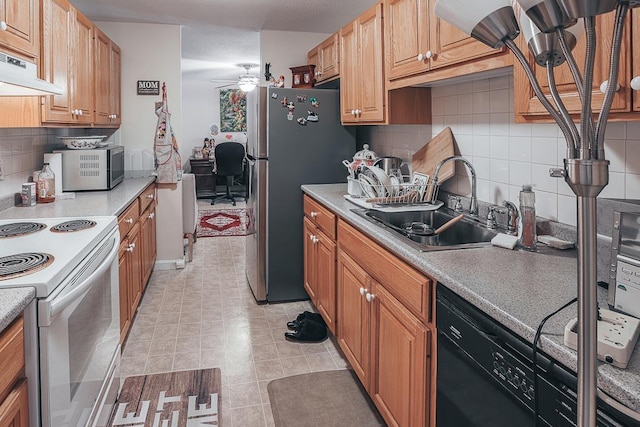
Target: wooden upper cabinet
527,105
22,33
115,84
361,69
67,61
326,58
407,37
635,58
106,80
102,57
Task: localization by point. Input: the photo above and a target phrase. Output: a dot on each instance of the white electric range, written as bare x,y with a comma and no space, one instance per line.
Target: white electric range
72,332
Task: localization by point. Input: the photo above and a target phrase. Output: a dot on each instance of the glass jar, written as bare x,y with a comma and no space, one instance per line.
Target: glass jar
46,185
527,218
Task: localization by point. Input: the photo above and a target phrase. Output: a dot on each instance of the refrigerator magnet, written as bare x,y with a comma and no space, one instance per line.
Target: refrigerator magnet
301,98
284,101
312,117
314,101
290,115
302,121
274,95
291,106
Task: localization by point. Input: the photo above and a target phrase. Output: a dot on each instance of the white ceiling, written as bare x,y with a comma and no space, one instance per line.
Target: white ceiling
219,34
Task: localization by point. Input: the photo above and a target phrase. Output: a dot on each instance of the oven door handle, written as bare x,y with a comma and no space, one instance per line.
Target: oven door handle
57,305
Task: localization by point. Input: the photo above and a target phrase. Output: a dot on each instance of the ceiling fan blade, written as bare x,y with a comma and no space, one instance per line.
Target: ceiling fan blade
222,85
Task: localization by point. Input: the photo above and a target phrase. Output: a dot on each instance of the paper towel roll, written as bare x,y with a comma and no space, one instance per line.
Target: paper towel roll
55,163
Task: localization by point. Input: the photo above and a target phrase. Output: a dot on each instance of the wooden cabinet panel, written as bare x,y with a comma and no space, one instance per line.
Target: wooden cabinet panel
22,18
635,57
400,358
115,85
353,315
372,93
135,264
11,355
128,218
527,105
329,59
310,263
82,89
406,36
102,56
148,240
124,271
321,216
14,411
326,278
348,73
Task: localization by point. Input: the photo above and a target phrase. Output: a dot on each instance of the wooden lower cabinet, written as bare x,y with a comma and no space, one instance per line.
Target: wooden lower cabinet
388,346
14,396
137,254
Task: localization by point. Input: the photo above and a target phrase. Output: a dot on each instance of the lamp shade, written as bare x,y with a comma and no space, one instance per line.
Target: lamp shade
545,46
490,21
581,8
546,14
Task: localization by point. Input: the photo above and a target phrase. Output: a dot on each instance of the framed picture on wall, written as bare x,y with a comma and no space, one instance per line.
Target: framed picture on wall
233,110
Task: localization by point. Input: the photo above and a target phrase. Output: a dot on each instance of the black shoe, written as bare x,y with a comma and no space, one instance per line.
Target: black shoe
295,324
309,331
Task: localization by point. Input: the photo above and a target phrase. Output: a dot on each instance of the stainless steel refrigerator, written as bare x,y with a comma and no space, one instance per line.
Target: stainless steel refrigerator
294,137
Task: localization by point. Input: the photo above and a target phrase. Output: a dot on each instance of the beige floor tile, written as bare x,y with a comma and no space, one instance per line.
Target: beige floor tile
161,345
264,394
238,373
159,363
289,349
264,352
136,348
184,361
295,365
268,416
249,416
241,395
132,366
269,370
321,362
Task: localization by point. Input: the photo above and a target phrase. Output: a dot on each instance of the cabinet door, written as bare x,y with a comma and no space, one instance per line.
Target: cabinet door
147,232
527,103
102,56
348,73
115,84
310,260
57,31
135,266
635,62
124,271
14,410
312,59
21,18
353,315
406,31
371,70
399,359
82,88
326,279
329,62
450,46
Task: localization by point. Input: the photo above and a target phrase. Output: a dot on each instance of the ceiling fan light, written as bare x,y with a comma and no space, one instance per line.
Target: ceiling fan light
247,85
489,21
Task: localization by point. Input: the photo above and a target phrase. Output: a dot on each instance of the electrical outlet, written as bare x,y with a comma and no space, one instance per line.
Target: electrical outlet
1,169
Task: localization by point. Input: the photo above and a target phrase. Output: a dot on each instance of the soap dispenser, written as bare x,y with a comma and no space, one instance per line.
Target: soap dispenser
527,218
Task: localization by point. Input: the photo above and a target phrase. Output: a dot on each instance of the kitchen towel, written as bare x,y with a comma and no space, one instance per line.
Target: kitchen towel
55,163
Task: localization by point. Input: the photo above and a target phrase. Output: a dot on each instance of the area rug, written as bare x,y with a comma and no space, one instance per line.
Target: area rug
185,398
222,222
328,398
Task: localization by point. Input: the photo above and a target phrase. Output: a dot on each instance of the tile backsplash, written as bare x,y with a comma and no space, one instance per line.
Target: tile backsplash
507,155
22,150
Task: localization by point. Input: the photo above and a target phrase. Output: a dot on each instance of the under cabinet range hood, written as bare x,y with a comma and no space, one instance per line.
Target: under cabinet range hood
20,78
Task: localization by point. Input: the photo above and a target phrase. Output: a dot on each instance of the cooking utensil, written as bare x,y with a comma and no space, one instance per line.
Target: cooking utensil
426,159
425,234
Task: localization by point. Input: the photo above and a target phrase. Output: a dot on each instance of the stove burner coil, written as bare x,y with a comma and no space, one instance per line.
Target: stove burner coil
21,264
20,228
73,225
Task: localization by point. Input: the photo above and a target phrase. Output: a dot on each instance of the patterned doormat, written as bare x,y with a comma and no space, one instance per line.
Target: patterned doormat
185,398
222,222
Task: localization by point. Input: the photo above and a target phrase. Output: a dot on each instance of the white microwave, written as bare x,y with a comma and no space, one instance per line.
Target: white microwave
624,273
99,168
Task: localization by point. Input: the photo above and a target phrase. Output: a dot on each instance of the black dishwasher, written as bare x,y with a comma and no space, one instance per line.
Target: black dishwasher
485,375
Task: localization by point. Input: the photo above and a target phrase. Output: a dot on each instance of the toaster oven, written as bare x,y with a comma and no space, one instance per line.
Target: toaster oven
624,272
99,168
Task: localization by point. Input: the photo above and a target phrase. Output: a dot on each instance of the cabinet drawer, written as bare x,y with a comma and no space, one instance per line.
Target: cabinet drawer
411,288
320,216
11,355
148,196
128,218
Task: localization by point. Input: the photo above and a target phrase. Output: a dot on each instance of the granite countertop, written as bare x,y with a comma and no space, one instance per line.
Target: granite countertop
519,294
93,203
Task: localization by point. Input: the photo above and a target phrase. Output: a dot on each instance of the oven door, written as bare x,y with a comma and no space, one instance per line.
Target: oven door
79,328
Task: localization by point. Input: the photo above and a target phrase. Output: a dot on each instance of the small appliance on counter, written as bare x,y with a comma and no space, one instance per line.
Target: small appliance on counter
100,168
624,274
617,337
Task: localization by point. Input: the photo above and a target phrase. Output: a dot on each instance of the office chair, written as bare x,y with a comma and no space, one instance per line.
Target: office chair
229,163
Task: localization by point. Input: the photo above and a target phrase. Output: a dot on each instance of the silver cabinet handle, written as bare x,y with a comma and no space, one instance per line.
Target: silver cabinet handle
363,290
370,297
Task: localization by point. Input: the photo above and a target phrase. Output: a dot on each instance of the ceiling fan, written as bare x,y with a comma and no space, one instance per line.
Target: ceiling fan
245,82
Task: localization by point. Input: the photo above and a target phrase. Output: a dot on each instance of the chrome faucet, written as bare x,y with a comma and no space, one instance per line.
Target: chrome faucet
473,207
512,218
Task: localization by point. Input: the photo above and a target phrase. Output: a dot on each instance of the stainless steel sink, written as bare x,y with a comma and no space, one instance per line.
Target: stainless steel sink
466,233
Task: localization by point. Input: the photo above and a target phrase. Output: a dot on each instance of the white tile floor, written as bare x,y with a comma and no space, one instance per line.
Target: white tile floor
205,316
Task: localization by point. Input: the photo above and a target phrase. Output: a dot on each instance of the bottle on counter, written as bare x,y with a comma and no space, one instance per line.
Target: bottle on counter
46,192
527,218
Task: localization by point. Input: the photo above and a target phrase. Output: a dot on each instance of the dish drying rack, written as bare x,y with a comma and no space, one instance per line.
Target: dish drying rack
401,196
